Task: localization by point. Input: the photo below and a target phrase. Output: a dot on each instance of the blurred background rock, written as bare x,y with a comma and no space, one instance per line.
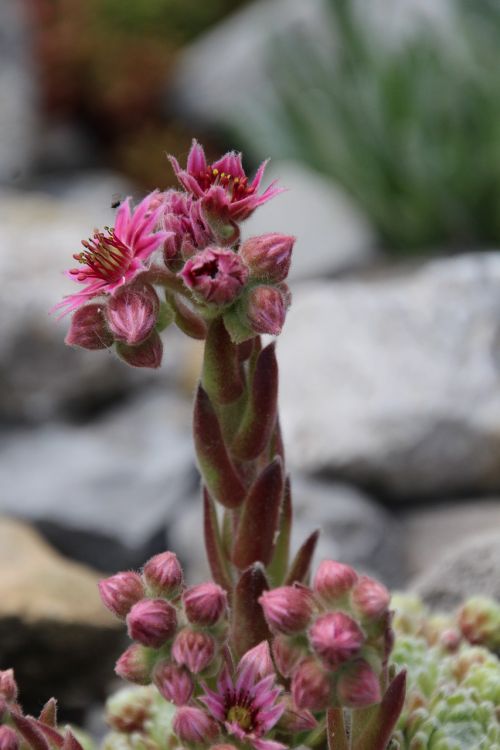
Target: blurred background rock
383,121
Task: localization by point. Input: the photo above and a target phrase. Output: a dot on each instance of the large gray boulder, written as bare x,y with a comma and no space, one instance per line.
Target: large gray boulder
393,382
103,492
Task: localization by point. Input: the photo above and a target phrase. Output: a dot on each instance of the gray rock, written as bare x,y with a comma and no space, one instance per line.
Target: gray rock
54,630
18,113
394,382
432,532
472,568
40,377
331,234
103,492
353,530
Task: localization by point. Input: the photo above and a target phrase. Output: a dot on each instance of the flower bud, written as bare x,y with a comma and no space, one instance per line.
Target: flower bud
296,719
8,685
258,659
173,682
88,328
215,275
129,709
163,574
286,654
333,580
8,739
193,649
191,724
358,685
268,256
132,313
369,598
336,638
152,622
265,309
287,609
311,687
205,603
120,592
135,665
148,354
450,639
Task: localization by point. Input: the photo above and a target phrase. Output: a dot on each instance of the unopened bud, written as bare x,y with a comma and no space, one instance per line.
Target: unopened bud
369,598
152,622
296,719
450,639
88,328
336,638
193,649
258,659
163,574
287,654
215,275
287,609
173,682
358,685
8,739
205,603
132,313
120,592
311,686
147,354
333,580
268,256
129,709
135,664
191,724
265,309
8,685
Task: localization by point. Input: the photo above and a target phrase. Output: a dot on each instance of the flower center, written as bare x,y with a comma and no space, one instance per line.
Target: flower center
104,256
237,187
240,715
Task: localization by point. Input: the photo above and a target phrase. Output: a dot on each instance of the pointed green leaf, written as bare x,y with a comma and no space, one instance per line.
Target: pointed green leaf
301,566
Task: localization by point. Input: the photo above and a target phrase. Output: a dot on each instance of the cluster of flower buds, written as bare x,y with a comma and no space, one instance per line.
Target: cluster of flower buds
19,732
331,640
178,632
187,242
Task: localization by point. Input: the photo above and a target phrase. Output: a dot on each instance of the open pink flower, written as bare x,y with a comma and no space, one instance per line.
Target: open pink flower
116,256
223,185
247,706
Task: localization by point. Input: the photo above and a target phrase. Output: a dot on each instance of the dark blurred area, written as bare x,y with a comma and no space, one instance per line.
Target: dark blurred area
382,120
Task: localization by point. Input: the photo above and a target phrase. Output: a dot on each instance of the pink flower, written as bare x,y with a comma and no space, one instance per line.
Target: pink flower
215,275
183,219
358,685
311,687
247,707
8,685
132,313
333,579
369,598
268,256
336,638
8,739
120,592
173,682
192,724
116,256
205,603
223,185
193,649
135,664
266,309
163,574
287,609
152,622
259,657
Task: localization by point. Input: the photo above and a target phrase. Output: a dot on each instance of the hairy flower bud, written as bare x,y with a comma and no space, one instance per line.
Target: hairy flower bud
193,649
286,654
8,739
8,685
358,685
152,622
287,609
205,603
259,660
215,275
132,313
88,328
268,256
163,574
369,598
296,719
120,592
173,682
335,637
191,724
311,687
333,580
135,665
265,309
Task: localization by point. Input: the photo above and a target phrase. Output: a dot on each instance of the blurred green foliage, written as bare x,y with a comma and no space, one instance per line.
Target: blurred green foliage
410,129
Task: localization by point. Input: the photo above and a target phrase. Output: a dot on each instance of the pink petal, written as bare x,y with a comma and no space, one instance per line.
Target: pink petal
260,744
196,161
122,220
